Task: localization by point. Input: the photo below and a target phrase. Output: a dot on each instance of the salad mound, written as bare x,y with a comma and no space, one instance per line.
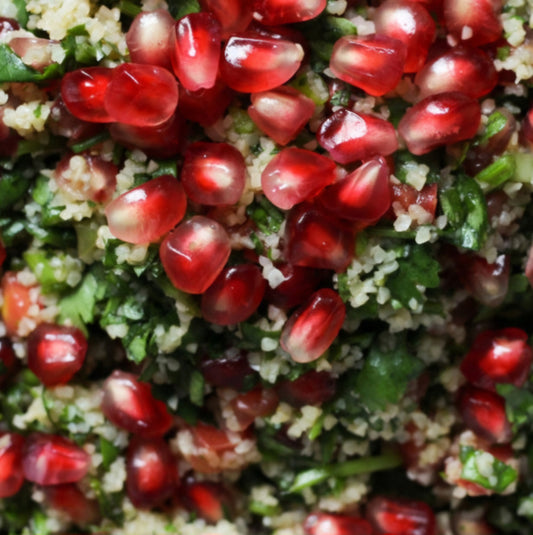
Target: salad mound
265,267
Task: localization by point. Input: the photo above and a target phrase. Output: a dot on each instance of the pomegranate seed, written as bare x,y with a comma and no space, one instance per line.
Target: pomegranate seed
3,253
11,476
234,15
141,95
129,404
17,301
462,68
148,38
231,370
8,360
317,239
399,516
295,175
151,472
194,254
146,213
439,120
281,113
373,63
234,295
8,25
256,403
208,499
53,460
336,524
311,388
71,502
34,51
404,196
471,522
83,92
253,63
196,42
500,356
526,132
477,22
213,173
410,23
363,195
86,177
273,12
313,327
63,123
56,353
483,411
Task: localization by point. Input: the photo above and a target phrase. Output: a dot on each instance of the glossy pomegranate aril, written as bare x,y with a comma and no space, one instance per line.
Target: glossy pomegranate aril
281,113
350,136
129,404
146,213
373,63
405,195
11,475
141,95
71,502
56,352
295,175
151,472
83,92
462,68
399,516
363,195
410,23
336,524
256,403
194,254
53,460
35,52
440,120
196,42
483,411
8,24
234,15
314,238
231,370
311,388
253,63
210,500
313,327
234,295
274,12
16,301
148,38
213,173
498,356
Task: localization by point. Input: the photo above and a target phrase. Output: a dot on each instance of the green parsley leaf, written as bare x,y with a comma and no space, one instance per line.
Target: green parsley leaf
79,306
518,404
13,69
12,187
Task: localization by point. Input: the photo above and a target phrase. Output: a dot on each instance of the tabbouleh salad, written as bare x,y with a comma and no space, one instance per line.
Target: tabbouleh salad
265,267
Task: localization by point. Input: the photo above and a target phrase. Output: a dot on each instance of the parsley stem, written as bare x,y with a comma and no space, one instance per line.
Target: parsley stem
498,172
88,143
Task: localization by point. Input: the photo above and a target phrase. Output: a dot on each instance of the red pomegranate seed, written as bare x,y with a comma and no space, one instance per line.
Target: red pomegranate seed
316,239
11,475
101,183
231,370
234,295
69,500
483,411
129,404
373,63
141,95
8,25
410,23
213,173
233,15
53,460
405,195
253,63
34,51
273,12
63,123
363,195
151,472
462,68
146,213
295,175
439,120
476,22
196,43
83,93
194,254
148,38
56,353
8,360
336,524
281,113
498,356
210,500
256,403
311,388
526,132
312,328
399,516
350,136
16,303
